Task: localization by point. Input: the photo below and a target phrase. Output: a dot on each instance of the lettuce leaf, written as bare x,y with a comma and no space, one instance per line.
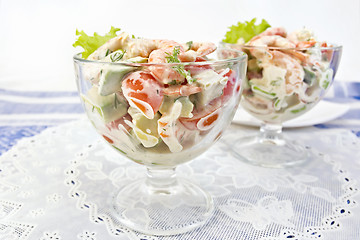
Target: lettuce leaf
91,43
246,31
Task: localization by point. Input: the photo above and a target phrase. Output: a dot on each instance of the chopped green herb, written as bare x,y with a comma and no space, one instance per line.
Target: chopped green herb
119,150
107,52
189,43
267,93
173,82
174,57
298,110
117,56
179,68
277,102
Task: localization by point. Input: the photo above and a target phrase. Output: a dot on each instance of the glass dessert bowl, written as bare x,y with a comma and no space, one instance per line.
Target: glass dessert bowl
153,115
285,79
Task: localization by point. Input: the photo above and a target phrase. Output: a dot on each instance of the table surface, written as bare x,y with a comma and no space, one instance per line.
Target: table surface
48,184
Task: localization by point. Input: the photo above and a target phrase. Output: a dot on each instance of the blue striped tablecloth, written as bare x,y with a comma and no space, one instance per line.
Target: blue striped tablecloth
27,202
26,113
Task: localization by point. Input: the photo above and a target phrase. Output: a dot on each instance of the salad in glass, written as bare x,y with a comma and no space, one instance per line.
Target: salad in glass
149,98
160,103
287,74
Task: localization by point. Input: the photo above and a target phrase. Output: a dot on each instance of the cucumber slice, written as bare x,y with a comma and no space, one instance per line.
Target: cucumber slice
326,78
310,76
262,92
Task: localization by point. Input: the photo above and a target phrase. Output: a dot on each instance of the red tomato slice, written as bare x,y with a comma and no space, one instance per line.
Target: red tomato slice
204,119
228,90
328,52
143,92
194,69
121,121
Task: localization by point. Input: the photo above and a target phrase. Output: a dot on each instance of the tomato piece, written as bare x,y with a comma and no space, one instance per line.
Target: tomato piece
209,120
328,53
121,121
228,90
306,44
143,92
206,118
109,140
195,69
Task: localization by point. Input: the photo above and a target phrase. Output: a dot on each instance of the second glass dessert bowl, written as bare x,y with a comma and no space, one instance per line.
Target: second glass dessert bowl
282,84
161,126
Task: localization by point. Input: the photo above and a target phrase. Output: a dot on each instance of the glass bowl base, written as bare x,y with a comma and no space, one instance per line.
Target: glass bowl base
172,210
272,154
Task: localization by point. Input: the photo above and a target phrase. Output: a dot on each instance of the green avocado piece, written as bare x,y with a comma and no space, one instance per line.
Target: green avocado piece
111,78
112,75
110,107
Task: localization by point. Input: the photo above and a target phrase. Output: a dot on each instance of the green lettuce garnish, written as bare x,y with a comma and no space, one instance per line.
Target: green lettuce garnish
246,31
91,43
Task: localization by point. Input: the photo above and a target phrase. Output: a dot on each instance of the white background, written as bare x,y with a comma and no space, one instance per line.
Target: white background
37,35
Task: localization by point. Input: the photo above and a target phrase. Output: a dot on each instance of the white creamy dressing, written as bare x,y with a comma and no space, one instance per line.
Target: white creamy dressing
167,127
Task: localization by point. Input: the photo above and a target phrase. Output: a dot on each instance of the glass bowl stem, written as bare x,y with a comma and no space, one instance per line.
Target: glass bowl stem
271,133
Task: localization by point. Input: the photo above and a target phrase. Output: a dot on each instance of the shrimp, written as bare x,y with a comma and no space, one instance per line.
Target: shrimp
164,50
279,31
306,44
140,47
268,41
133,47
270,37
197,50
181,90
294,71
274,41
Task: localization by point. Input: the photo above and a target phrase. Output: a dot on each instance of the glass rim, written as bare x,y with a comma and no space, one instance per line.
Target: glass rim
241,58
330,47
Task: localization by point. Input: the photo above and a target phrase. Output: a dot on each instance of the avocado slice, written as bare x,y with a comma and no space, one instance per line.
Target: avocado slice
112,75
110,107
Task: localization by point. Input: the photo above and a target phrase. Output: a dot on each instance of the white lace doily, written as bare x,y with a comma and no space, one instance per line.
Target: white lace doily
57,185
